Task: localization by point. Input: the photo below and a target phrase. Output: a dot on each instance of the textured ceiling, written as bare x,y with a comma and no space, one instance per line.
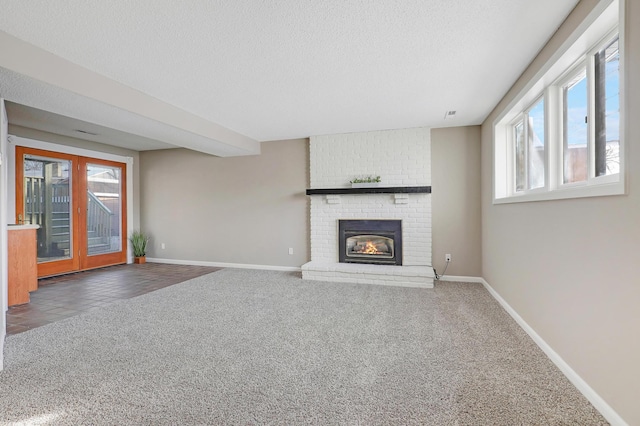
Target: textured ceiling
289,68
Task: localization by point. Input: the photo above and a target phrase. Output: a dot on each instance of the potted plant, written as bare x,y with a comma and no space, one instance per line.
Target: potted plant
139,242
366,182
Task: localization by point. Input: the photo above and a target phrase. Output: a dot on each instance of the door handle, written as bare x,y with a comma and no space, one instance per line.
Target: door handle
20,221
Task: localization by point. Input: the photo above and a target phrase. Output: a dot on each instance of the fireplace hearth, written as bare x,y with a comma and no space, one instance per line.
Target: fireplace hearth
377,242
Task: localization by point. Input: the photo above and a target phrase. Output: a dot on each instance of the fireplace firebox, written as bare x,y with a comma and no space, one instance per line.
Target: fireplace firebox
370,241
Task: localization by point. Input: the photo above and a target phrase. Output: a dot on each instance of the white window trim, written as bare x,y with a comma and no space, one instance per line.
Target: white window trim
584,41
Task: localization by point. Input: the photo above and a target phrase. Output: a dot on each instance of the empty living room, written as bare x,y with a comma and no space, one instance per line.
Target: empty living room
332,212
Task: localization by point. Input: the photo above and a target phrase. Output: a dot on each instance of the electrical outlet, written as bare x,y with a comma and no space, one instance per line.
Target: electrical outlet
447,257
290,250
162,246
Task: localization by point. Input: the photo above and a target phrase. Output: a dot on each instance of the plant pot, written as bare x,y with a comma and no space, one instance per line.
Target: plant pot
140,260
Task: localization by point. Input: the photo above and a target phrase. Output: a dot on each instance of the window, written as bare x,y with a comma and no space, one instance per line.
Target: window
575,128
607,114
528,137
561,137
521,152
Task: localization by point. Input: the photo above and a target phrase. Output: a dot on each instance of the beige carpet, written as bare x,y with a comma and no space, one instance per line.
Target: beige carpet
258,347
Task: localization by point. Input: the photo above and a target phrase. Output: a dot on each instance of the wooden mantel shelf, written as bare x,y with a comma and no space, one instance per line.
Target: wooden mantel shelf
374,190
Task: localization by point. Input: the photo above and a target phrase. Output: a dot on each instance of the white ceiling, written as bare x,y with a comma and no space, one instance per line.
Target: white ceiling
282,69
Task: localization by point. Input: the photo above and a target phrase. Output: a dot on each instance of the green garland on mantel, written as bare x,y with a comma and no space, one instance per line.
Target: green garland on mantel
368,179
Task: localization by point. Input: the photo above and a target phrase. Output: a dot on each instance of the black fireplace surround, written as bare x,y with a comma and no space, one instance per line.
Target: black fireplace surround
376,242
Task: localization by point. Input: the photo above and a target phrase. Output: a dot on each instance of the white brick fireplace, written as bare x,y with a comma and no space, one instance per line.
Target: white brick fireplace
402,159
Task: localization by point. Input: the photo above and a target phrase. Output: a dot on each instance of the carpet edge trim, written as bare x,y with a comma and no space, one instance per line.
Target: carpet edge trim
596,400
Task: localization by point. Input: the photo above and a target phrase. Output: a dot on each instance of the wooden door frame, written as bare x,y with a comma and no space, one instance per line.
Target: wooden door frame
4,218
59,266
101,260
80,259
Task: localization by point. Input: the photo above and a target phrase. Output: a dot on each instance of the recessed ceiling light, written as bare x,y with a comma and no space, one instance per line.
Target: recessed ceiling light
449,115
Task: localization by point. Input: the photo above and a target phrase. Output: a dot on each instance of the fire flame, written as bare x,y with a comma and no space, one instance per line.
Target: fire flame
369,248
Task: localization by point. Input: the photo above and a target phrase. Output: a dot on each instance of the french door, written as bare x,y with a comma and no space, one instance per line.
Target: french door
78,203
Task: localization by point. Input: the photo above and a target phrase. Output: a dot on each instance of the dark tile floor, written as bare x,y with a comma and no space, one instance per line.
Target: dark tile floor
68,295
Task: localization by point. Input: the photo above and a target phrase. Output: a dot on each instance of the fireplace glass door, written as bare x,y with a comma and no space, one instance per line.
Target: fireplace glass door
367,246
370,241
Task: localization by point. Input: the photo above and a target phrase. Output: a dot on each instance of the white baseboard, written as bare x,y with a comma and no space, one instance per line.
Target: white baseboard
461,279
224,265
596,400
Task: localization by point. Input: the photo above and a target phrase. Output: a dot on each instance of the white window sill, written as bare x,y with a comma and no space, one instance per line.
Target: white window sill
574,191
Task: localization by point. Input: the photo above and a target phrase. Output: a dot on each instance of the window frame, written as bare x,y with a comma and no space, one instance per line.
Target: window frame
605,42
582,66
603,25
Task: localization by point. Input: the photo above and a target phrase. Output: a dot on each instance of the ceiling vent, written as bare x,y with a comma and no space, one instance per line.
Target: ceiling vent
449,115
84,132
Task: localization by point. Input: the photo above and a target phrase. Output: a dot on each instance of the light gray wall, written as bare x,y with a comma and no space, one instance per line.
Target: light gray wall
250,210
455,177
94,146
571,268
247,210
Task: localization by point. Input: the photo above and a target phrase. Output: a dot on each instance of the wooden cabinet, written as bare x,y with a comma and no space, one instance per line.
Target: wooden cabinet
23,263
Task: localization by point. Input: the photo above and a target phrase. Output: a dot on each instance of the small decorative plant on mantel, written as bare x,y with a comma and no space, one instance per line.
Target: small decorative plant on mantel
366,182
139,242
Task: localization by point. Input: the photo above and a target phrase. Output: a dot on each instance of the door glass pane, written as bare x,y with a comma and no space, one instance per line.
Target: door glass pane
47,202
103,209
